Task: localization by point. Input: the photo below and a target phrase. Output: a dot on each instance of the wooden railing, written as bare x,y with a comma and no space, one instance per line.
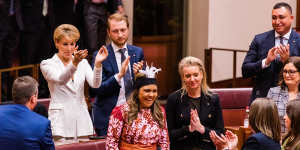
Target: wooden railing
223,67
14,71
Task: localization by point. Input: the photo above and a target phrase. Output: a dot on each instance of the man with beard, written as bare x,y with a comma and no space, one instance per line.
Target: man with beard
122,63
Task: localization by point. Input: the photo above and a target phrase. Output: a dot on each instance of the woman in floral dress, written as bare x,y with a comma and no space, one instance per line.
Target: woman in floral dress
141,122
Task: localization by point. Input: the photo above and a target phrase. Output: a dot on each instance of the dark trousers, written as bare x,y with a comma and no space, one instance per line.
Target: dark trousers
35,45
101,132
8,40
95,17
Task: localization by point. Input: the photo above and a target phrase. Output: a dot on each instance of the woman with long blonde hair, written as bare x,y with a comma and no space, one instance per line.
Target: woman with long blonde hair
193,111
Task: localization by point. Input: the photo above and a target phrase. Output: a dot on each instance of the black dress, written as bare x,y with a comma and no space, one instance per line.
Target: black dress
178,118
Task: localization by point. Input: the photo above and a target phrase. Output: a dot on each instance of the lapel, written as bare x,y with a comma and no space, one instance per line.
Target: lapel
269,42
132,55
205,107
292,42
69,85
112,59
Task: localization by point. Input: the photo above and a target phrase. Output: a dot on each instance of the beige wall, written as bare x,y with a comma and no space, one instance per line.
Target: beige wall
197,27
234,23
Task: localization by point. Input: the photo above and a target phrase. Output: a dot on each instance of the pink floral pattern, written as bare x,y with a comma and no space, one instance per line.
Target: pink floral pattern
144,130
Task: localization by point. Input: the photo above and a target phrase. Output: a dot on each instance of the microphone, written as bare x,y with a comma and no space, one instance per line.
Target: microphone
94,136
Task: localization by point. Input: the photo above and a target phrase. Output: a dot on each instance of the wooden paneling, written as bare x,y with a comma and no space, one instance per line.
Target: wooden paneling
163,52
230,83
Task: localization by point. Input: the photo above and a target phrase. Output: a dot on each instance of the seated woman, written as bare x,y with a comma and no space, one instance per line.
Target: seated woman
193,111
140,123
66,73
264,122
288,88
291,141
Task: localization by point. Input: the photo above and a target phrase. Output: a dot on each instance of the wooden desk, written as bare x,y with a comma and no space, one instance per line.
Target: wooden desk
90,145
241,132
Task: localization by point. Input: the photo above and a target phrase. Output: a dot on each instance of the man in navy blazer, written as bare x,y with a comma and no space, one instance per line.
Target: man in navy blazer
268,51
112,90
20,127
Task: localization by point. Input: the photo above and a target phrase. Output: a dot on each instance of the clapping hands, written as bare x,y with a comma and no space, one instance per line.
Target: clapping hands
229,140
79,55
101,56
195,124
124,67
138,66
282,50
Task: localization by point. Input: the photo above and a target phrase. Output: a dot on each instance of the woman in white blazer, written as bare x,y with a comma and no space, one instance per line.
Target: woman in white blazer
66,73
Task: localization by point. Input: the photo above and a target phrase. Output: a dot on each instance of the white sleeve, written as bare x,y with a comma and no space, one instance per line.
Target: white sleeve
263,64
52,73
93,77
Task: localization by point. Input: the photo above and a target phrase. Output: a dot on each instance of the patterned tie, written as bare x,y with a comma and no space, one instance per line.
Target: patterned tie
127,78
281,43
281,40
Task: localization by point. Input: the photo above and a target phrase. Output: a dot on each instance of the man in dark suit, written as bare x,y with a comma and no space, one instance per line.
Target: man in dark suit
117,77
95,16
268,51
30,37
8,34
20,128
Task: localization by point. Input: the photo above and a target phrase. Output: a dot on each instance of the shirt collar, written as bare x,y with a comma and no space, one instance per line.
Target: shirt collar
116,48
286,36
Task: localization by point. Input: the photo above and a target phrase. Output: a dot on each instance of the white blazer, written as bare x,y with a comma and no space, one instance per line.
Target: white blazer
68,110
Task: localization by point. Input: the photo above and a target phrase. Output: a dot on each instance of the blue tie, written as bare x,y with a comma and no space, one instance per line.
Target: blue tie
127,78
281,40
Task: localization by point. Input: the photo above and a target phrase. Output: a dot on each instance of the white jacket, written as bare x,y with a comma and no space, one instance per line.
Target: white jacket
68,109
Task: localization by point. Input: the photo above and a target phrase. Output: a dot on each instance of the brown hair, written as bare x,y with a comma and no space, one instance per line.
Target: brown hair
117,17
293,112
66,30
193,61
134,107
295,60
23,88
264,118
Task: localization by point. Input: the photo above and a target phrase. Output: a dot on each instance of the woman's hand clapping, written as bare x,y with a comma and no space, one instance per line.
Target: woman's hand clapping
195,123
101,56
79,55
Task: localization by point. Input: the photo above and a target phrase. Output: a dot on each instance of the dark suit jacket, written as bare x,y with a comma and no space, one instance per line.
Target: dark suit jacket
22,129
30,15
107,94
112,5
252,66
259,141
178,118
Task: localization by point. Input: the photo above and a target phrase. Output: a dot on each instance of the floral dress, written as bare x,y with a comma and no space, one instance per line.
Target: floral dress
143,130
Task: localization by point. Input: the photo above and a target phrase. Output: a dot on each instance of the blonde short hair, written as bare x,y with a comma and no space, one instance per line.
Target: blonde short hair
66,30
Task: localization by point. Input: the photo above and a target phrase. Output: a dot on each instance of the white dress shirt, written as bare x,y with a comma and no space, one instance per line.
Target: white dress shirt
121,98
285,39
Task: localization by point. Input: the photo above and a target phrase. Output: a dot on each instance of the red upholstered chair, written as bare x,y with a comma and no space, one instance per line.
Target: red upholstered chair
233,103
45,102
